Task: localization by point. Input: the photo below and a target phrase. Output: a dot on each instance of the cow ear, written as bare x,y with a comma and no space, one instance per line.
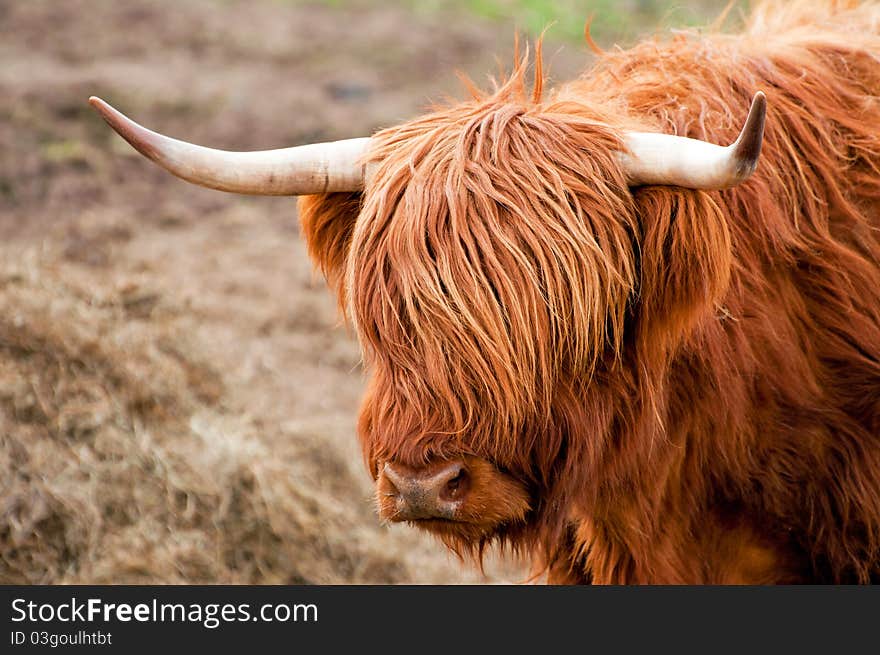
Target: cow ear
327,222
686,260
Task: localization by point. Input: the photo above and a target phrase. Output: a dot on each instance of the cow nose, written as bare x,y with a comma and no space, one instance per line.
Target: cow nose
434,492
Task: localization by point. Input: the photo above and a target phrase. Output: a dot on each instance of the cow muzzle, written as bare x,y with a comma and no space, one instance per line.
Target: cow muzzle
463,499
435,492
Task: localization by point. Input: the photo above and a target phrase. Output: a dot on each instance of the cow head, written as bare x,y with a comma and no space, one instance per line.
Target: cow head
487,255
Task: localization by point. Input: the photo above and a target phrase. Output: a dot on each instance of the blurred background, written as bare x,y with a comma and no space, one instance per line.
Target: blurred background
178,395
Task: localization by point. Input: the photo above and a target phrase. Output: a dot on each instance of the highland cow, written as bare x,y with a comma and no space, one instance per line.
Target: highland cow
597,338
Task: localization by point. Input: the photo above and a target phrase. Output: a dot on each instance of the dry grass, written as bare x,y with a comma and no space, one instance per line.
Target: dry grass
121,465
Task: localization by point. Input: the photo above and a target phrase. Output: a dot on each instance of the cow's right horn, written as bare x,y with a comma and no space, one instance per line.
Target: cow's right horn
313,168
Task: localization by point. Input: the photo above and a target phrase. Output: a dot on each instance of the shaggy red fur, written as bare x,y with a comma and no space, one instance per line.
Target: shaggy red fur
686,383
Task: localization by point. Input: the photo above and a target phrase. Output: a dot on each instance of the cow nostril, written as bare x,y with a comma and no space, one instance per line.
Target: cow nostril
456,487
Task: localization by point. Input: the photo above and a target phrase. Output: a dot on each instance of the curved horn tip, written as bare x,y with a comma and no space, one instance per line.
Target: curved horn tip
656,158
107,111
98,104
141,139
747,147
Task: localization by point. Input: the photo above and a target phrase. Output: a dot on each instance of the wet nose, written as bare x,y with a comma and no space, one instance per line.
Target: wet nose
433,492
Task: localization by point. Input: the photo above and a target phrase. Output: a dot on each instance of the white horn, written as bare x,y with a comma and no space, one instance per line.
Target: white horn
313,168
652,158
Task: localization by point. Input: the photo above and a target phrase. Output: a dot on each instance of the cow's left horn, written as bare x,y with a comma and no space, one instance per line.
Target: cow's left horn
313,168
652,158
